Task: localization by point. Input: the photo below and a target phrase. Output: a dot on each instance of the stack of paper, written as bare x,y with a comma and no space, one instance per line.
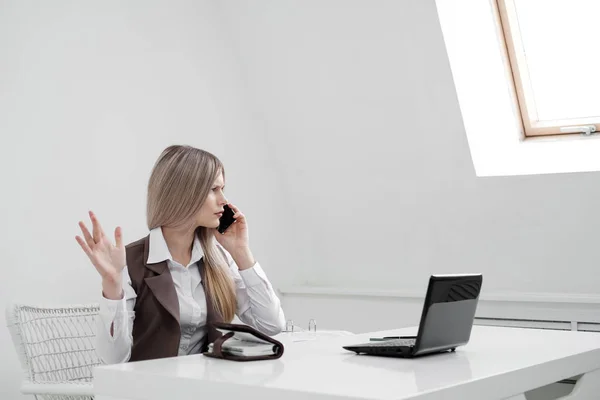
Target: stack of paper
243,348
245,344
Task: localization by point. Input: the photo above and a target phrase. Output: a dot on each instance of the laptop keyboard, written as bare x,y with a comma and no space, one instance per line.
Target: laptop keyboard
392,342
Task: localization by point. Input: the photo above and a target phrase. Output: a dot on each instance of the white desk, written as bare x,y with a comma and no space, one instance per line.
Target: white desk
498,363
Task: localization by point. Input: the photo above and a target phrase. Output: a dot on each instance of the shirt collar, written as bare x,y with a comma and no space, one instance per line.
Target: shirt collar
159,251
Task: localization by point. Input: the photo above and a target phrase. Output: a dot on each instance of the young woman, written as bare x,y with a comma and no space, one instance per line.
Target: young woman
161,293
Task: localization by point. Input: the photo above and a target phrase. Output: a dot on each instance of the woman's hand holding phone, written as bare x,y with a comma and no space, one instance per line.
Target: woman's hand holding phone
235,239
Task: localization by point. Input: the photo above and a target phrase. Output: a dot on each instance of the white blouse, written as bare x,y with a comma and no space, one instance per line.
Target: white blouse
257,304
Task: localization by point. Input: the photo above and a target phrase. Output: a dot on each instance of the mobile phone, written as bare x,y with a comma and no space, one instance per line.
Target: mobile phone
226,219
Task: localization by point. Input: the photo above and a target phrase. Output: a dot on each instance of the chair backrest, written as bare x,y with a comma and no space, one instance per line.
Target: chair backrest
54,344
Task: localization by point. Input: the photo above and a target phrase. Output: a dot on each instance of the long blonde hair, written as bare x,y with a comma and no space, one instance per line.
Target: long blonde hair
179,184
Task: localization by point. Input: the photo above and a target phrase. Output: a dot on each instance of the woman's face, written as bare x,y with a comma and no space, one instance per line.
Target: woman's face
212,209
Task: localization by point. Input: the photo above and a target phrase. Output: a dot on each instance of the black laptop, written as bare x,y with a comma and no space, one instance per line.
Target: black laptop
446,320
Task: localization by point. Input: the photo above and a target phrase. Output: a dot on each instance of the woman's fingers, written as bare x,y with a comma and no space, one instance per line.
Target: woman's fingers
86,234
84,246
239,216
118,237
97,228
237,213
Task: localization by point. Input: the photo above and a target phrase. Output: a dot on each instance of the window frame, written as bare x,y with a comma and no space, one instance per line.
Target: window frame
522,90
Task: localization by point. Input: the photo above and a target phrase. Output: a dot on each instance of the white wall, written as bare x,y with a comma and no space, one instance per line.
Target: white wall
363,116
90,94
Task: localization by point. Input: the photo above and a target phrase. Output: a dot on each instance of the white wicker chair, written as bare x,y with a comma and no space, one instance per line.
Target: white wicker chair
56,349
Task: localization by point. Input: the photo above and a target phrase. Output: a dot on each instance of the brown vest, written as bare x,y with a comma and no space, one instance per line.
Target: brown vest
156,329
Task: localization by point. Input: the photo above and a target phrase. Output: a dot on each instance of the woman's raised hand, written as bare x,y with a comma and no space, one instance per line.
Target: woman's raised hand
108,258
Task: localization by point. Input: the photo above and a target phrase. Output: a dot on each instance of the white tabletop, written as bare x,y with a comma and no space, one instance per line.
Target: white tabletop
509,360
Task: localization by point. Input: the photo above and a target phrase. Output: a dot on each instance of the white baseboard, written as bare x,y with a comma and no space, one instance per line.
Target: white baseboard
533,297
527,310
